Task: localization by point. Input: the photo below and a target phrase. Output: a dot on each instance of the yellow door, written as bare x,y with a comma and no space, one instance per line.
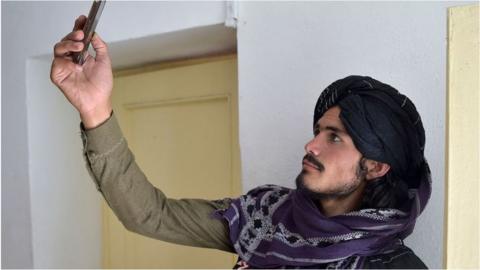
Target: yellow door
180,120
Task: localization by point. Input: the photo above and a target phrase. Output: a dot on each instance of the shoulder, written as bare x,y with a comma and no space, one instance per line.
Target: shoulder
401,258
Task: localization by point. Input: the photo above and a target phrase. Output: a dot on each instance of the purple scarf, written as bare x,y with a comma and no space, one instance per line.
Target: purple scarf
273,227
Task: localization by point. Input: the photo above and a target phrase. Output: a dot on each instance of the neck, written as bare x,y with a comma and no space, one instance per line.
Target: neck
333,206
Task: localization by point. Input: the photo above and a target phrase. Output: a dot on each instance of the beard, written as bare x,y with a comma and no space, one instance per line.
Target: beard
339,192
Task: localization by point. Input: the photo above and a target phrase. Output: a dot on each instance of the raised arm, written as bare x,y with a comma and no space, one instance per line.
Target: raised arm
140,206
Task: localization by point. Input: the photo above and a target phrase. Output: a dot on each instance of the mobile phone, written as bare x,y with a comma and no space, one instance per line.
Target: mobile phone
89,29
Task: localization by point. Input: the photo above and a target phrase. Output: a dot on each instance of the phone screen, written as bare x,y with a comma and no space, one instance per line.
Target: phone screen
89,29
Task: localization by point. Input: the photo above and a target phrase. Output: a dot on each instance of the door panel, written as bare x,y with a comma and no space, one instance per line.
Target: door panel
181,124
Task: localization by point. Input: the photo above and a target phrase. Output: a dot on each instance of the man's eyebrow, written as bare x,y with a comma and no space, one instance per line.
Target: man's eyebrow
332,128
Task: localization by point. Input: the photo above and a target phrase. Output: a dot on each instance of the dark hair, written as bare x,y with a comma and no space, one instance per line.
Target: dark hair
388,191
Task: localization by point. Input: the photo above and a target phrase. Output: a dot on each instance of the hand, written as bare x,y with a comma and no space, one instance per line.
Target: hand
88,87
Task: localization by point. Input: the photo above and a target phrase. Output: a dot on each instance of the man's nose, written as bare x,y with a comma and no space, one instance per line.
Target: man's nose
313,146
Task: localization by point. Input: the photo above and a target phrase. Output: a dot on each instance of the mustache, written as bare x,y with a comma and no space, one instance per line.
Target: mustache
314,161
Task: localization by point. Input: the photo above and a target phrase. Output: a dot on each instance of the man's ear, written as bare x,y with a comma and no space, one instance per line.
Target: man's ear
376,169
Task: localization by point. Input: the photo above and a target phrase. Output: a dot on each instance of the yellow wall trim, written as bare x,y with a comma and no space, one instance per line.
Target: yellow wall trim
172,64
165,102
462,204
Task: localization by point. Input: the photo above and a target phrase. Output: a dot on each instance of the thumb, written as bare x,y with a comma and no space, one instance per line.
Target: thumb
101,49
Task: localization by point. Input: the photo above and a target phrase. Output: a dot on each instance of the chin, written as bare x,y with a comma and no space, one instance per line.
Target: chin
302,182
303,186
306,178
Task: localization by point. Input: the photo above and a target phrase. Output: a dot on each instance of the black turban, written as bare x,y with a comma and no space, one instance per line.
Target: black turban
383,123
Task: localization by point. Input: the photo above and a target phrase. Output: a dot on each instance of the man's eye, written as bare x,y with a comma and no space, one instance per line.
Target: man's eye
335,138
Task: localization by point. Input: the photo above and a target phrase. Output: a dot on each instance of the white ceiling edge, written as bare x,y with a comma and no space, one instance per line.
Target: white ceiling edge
178,45
187,43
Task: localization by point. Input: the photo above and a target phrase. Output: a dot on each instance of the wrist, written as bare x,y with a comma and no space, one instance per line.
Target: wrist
95,118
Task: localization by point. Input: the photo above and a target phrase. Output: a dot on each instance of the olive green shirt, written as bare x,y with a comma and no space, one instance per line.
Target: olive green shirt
142,207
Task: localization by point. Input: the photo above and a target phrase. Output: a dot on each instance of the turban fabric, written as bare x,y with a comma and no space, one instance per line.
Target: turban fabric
384,124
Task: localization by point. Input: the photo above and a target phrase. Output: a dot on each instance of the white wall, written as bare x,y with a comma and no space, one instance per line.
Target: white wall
45,187
290,51
65,209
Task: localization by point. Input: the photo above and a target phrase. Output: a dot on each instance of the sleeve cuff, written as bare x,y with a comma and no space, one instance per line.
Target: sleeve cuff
103,138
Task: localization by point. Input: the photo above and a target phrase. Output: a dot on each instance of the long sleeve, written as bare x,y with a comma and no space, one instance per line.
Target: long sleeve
140,206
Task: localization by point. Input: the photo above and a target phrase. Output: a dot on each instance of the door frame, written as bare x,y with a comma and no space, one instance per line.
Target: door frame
462,148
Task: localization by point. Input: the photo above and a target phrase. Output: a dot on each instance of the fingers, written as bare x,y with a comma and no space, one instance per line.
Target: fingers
79,22
64,48
62,65
75,35
100,47
77,32
72,41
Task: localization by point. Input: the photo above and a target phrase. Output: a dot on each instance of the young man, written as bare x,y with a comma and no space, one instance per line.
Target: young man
363,183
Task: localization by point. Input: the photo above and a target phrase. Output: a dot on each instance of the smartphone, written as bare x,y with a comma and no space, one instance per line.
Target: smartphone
89,29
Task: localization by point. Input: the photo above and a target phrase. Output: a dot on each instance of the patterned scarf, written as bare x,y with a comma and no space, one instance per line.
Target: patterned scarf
277,227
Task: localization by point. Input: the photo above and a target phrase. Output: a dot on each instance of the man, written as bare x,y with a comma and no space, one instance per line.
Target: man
363,183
